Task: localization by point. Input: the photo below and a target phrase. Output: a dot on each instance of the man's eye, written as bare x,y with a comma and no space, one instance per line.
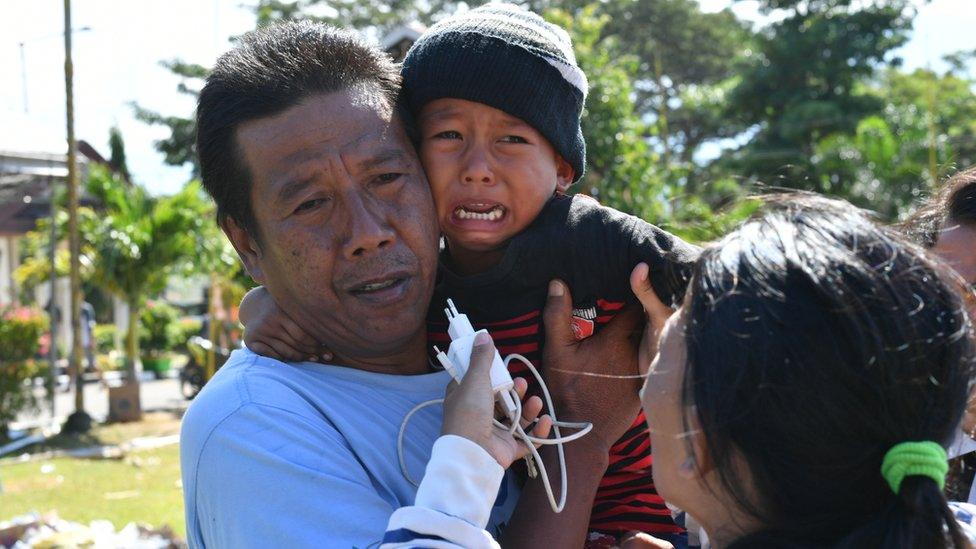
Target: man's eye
513,139
449,134
309,205
388,177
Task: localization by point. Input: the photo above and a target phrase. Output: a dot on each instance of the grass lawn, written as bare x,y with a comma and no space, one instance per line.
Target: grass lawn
142,487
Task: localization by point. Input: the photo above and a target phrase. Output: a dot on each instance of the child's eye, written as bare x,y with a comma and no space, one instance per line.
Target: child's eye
309,205
449,134
513,139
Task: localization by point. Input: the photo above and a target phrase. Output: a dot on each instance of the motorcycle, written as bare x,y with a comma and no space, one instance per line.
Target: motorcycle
193,376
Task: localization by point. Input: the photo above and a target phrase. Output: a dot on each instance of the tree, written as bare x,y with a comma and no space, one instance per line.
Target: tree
926,131
805,83
686,59
180,147
116,147
137,241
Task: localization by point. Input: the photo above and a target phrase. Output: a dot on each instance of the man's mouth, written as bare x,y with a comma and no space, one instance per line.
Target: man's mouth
375,286
480,211
379,287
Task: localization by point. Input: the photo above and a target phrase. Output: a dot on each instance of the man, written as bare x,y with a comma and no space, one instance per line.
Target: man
320,191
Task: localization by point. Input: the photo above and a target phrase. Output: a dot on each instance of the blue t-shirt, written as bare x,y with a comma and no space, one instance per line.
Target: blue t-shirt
305,455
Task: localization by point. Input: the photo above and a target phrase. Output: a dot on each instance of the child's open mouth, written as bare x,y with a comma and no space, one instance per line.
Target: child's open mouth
480,211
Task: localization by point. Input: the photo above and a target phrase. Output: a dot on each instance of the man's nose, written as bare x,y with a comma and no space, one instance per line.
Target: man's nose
368,229
477,167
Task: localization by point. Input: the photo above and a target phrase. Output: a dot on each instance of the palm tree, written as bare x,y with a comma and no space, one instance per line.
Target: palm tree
137,241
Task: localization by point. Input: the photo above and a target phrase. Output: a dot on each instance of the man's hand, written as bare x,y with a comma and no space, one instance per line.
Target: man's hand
268,331
469,409
596,379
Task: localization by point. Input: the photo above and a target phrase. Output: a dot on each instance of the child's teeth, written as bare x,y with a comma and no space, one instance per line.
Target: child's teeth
491,215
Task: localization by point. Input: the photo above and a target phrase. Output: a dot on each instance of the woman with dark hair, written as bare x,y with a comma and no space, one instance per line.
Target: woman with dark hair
946,224
806,391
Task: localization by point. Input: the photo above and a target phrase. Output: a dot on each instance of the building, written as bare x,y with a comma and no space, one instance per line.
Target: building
26,181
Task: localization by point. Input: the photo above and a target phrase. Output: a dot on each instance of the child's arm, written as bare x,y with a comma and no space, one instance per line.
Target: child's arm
270,332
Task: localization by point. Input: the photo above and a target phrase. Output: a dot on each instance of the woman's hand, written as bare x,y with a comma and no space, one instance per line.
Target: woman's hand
657,315
469,409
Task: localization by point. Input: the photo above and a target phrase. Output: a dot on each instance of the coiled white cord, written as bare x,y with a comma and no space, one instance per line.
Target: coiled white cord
514,428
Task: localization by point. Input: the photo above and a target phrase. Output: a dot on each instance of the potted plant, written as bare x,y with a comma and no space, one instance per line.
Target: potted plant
157,336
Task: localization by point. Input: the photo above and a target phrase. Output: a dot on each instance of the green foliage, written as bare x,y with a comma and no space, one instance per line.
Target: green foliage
805,83
926,131
105,335
159,329
620,165
20,333
188,327
180,147
117,151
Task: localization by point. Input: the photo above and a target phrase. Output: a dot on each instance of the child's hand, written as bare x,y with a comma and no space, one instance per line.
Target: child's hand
268,331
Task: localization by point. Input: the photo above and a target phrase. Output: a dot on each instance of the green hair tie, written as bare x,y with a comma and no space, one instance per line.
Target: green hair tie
908,459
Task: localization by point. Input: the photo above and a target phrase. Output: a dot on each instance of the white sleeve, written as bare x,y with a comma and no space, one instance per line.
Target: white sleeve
453,501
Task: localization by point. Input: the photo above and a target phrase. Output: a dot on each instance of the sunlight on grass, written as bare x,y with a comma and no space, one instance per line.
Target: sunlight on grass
142,487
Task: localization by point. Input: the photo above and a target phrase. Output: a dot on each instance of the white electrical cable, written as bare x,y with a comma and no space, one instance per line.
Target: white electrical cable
515,429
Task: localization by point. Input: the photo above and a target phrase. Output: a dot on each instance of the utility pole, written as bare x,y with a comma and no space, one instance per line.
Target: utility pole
79,421
23,75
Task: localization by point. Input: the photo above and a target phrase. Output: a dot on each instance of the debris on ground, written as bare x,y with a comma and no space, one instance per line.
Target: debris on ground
48,531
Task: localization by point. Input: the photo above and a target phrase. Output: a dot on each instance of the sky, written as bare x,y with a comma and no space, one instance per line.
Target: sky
116,62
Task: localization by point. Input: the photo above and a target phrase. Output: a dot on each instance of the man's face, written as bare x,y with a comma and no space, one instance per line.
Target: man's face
347,240
491,173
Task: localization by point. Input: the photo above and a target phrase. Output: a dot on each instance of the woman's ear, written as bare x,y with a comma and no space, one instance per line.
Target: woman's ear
698,462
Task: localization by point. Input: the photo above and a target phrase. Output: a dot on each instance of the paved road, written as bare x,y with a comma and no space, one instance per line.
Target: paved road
156,394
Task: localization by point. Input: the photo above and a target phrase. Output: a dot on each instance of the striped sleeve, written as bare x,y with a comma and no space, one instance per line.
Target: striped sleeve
453,501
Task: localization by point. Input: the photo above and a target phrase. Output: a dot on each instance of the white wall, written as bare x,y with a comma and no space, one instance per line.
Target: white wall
9,261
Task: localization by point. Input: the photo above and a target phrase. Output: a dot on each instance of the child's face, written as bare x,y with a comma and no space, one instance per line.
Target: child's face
490,173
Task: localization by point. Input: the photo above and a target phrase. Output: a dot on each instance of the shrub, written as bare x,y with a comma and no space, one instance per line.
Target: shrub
20,334
104,335
158,328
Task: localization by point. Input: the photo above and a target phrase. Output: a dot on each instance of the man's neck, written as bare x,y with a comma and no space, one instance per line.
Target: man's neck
410,359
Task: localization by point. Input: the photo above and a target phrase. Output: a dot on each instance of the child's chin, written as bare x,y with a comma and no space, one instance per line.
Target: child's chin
480,245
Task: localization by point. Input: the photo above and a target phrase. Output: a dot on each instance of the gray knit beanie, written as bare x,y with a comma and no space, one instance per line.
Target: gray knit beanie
508,58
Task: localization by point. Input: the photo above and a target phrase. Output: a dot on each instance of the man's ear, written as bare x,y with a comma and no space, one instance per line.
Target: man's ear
565,174
247,248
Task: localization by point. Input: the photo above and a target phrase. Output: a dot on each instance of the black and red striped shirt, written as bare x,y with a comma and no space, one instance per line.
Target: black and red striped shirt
593,249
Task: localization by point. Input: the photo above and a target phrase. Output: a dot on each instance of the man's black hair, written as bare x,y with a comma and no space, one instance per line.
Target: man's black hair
269,71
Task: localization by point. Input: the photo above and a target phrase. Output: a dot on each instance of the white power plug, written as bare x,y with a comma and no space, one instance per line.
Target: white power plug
456,362
458,358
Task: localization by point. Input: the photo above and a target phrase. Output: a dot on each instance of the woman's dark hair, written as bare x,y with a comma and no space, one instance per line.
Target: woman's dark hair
954,203
269,71
817,340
